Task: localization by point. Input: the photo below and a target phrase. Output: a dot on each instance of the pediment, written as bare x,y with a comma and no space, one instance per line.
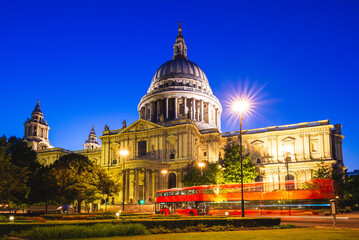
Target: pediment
257,142
288,139
172,139
141,125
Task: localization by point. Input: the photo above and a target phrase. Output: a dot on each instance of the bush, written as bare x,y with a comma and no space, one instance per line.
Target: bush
189,222
287,226
180,224
75,231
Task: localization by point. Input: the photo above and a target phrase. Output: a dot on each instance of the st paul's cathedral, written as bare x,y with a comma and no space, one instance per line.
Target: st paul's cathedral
180,123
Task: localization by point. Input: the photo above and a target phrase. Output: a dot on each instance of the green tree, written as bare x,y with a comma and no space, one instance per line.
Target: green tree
232,164
44,187
210,174
25,158
76,178
13,179
351,191
322,171
108,184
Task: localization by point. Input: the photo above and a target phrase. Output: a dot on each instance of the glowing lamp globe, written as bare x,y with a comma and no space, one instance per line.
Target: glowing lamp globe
240,106
123,152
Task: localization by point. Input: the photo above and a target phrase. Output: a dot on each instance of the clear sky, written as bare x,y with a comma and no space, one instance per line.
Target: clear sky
90,62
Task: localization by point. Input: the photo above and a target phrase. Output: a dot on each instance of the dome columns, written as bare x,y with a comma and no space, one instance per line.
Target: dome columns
172,107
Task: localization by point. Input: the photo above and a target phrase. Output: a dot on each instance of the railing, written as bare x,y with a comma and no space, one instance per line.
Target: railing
278,128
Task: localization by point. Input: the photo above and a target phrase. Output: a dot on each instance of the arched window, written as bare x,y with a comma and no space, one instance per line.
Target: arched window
171,180
172,156
289,182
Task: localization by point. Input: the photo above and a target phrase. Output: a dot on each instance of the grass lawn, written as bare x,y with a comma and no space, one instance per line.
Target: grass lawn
298,233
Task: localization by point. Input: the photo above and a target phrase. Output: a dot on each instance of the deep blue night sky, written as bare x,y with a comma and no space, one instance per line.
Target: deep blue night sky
90,62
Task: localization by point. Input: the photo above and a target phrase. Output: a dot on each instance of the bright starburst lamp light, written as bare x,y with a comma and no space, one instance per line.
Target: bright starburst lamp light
240,106
123,152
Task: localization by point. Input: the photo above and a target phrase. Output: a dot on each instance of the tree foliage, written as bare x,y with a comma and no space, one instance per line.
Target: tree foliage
108,183
13,179
322,171
351,190
211,174
76,178
232,164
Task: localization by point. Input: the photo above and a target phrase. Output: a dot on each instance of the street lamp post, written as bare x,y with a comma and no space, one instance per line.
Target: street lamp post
240,107
124,154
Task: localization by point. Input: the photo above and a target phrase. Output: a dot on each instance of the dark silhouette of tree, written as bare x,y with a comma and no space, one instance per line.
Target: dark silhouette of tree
13,179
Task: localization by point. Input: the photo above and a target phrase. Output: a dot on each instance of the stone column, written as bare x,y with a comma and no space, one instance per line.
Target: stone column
219,120
136,188
127,187
166,108
202,111
306,146
185,105
158,109
209,113
198,112
157,182
194,109
175,108
151,110
145,114
215,117
321,144
147,184
327,145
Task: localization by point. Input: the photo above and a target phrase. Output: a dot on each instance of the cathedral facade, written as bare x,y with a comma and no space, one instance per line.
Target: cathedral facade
180,123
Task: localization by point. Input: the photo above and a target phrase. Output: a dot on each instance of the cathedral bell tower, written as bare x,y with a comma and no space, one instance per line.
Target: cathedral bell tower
92,142
37,130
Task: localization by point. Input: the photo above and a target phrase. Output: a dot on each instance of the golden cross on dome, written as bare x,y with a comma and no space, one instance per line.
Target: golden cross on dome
180,26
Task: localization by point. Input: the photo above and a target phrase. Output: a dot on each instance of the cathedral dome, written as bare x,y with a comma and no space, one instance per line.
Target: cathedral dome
180,90
179,68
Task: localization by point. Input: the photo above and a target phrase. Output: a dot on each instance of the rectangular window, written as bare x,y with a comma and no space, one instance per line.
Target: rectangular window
142,148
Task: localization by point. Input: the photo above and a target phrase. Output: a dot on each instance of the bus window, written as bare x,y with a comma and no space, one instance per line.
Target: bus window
177,193
165,194
183,192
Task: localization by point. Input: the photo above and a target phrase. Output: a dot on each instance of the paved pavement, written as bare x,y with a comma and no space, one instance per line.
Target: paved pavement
349,221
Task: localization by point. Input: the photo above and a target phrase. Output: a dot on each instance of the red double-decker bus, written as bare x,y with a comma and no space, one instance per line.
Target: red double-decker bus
290,198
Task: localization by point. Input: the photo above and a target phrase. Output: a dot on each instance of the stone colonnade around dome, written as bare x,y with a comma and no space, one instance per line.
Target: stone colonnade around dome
176,107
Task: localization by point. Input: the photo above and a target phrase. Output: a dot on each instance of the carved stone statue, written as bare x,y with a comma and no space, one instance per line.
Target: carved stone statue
107,128
124,124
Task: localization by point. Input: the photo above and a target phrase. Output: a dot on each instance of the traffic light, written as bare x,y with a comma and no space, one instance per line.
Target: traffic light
141,201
